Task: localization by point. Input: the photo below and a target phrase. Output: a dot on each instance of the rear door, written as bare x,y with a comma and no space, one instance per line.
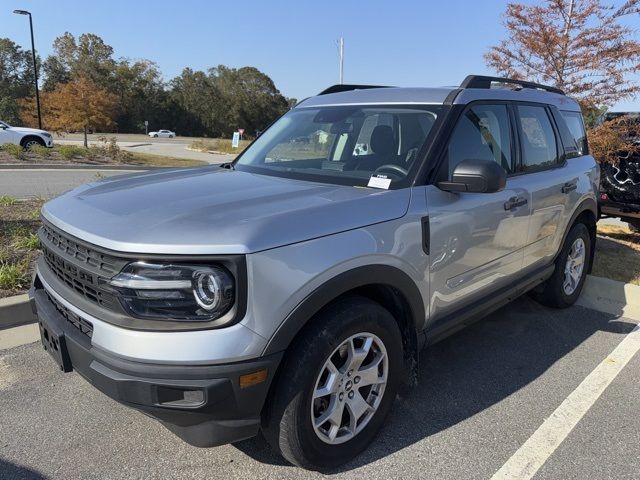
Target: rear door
550,182
477,239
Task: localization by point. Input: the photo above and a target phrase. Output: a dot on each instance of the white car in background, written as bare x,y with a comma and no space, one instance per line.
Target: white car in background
162,134
25,137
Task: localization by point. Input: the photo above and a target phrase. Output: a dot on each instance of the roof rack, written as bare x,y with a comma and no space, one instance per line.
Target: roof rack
341,87
481,81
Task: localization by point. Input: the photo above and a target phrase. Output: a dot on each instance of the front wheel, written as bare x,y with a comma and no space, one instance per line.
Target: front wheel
337,385
563,288
29,143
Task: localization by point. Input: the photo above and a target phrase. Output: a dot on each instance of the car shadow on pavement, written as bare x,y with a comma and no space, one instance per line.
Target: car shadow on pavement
473,370
11,471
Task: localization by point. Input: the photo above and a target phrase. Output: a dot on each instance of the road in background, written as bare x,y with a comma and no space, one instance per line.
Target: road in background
124,137
46,183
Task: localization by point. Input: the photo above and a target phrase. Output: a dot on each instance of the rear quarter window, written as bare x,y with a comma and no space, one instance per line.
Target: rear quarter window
576,127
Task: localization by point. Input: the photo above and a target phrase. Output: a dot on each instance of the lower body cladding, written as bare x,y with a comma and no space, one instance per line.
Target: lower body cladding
205,405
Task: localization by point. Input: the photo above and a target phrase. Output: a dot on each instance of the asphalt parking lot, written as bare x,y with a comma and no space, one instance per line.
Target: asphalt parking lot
481,395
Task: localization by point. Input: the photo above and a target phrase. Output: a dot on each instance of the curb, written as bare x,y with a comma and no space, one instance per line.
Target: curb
15,311
611,296
213,152
65,166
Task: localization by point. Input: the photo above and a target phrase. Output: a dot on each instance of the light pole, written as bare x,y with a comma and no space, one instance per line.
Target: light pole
35,66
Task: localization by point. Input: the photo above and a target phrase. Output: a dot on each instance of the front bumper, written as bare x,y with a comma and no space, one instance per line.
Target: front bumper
202,404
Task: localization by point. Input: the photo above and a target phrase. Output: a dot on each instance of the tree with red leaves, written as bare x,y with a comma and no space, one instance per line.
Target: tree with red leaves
579,46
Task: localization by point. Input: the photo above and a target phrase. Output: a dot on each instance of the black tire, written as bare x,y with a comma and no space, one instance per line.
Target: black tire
286,421
155,136
170,136
551,293
29,142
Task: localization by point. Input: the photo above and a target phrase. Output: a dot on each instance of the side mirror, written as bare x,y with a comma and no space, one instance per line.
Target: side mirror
478,176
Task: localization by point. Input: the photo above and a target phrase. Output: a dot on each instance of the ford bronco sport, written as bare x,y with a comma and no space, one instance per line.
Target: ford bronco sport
291,291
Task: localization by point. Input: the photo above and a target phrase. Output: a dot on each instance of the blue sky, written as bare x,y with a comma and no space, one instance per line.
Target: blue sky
398,42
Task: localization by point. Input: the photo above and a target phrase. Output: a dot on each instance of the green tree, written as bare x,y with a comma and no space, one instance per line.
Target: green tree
194,94
16,78
251,99
141,95
87,57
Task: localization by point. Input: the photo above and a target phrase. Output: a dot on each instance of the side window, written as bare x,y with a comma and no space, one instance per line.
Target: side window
576,127
482,133
537,138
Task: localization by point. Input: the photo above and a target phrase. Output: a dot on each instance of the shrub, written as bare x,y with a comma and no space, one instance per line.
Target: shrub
94,152
69,152
204,145
15,151
613,139
40,151
7,200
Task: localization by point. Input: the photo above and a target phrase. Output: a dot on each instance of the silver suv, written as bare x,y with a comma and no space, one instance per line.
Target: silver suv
291,291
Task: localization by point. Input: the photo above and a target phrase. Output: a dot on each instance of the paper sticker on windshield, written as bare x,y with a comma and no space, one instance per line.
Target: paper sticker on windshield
379,181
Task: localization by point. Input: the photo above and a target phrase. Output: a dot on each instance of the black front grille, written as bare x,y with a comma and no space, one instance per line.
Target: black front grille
80,323
78,253
80,266
82,281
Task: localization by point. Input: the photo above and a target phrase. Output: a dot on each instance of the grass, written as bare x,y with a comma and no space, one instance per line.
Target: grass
27,241
151,160
69,152
11,277
13,150
220,145
41,151
19,221
617,254
7,200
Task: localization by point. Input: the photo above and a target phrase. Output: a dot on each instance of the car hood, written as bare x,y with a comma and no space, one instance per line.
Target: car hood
212,210
27,130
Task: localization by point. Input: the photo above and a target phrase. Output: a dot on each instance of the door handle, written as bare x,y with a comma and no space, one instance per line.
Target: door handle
515,202
569,187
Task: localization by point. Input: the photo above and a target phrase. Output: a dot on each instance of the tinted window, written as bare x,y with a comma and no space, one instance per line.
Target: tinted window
537,138
576,127
482,133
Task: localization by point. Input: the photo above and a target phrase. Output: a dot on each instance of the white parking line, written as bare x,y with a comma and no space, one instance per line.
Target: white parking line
540,446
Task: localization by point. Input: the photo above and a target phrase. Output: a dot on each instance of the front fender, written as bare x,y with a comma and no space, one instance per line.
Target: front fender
340,284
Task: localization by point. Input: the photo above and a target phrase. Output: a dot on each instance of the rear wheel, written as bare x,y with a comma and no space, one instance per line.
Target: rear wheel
337,385
572,264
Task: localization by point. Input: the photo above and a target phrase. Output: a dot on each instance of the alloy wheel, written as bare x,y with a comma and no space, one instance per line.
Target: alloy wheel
574,266
349,388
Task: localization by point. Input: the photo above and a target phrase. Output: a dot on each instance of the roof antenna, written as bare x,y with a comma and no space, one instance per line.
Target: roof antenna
341,51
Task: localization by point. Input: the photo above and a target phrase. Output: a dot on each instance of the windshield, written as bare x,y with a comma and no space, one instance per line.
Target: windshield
370,145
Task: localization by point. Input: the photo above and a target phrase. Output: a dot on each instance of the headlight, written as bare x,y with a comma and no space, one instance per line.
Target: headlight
177,292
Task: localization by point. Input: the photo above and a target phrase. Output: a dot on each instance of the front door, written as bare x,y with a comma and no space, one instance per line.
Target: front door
477,239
